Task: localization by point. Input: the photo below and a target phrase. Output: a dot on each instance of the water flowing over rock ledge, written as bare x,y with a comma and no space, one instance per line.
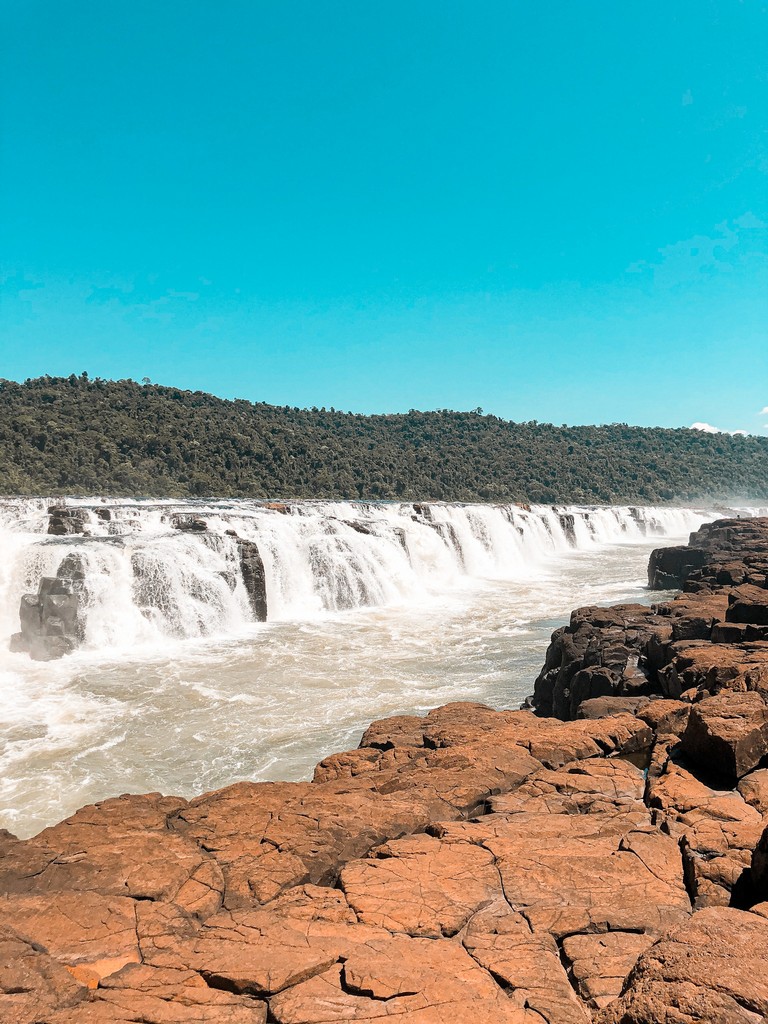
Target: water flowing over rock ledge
473,865
114,575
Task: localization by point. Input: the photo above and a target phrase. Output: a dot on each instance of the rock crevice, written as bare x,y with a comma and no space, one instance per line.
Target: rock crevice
602,860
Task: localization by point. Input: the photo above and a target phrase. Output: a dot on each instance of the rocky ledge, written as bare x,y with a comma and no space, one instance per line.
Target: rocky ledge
470,866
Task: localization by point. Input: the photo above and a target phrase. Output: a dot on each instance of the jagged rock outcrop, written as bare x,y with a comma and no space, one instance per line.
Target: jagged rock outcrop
53,620
254,578
472,865
64,521
715,634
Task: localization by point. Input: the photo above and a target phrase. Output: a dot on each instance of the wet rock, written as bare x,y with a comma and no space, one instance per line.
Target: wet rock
254,579
64,521
53,620
188,523
669,568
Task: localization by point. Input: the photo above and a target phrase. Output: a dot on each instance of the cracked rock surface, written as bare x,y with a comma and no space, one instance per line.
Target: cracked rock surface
469,866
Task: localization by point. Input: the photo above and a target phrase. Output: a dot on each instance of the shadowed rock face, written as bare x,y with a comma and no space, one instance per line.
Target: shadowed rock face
472,866
714,635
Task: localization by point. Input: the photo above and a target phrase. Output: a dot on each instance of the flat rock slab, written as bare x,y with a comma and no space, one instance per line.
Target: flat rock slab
421,886
567,878
144,995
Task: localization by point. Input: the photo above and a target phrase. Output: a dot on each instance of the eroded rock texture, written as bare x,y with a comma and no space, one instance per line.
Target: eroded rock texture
470,866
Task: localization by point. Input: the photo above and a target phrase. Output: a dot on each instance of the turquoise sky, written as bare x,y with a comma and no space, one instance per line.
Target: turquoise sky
553,210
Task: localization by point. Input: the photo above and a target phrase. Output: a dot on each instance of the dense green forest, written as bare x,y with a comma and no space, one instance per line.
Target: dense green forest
75,435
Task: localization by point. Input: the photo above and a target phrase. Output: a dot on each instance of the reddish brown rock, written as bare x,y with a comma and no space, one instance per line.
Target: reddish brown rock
666,717
421,886
748,604
717,831
603,707
78,928
595,786
528,963
146,995
268,837
714,667
754,789
712,970
727,734
419,981
32,984
120,847
759,876
569,874
599,963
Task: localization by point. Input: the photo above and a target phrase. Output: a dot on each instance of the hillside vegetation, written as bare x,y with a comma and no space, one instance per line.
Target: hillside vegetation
79,436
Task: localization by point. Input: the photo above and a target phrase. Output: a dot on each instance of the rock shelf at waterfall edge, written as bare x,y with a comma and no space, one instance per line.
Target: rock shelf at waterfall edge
605,859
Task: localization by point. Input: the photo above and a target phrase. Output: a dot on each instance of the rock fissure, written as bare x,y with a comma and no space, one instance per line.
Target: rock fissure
599,859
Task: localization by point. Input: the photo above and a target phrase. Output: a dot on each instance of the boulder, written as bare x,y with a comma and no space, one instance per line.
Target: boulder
64,521
748,604
603,707
727,734
53,620
760,867
254,578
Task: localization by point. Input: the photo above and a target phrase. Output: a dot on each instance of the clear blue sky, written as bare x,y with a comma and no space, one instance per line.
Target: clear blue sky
553,209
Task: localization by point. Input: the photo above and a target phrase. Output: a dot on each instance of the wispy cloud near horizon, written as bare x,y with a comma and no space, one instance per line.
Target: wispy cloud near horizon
707,428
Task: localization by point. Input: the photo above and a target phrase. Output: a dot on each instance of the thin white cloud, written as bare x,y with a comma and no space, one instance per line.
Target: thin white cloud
698,258
763,411
707,428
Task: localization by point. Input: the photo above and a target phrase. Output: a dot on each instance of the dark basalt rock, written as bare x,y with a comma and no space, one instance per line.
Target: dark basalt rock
254,578
669,568
568,526
252,568
53,620
63,521
188,523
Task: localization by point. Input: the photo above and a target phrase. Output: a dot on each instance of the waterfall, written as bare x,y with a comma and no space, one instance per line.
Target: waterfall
153,570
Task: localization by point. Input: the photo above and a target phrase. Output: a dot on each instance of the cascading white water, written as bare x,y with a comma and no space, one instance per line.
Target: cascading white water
146,580
373,609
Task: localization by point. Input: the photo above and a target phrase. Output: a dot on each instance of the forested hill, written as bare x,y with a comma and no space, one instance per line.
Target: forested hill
79,436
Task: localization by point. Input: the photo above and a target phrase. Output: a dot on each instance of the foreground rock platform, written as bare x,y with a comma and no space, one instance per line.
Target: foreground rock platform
469,866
